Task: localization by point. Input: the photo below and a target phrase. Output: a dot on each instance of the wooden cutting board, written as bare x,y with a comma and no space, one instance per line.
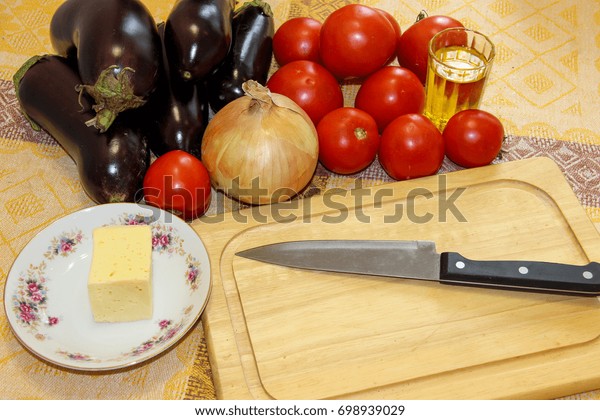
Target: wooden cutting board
283,333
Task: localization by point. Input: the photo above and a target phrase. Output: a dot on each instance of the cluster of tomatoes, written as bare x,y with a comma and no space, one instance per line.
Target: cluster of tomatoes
357,44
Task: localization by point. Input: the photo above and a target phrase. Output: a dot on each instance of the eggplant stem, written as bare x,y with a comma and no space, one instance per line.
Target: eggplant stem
18,76
112,94
266,8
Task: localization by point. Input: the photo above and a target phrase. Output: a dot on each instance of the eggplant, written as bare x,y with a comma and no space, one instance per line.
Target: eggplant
118,52
198,36
111,165
250,55
179,111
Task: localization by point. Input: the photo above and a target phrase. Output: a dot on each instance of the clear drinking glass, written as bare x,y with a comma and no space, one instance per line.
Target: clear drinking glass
458,66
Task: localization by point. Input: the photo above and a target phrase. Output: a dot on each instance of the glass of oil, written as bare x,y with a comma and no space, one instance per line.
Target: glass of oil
459,63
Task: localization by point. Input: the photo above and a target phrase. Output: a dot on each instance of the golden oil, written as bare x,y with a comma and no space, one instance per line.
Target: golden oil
455,81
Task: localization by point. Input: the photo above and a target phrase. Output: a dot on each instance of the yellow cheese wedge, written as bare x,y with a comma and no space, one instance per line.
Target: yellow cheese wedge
120,280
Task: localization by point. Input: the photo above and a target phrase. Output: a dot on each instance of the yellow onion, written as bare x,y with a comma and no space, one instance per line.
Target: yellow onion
260,148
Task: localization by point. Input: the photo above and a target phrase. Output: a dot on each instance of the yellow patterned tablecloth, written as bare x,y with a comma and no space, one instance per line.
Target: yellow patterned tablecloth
545,87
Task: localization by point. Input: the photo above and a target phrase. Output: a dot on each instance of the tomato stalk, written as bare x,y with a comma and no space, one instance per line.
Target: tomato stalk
360,133
422,15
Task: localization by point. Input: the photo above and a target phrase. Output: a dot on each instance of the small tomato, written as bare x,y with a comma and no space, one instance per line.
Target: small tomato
297,39
397,30
390,92
356,40
414,43
348,140
310,85
411,147
179,183
473,138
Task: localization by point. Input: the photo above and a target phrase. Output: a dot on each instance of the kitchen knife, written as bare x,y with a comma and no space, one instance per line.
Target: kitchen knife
419,260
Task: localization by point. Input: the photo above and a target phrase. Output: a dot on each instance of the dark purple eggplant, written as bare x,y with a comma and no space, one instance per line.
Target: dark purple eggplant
118,52
250,55
112,164
198,36
179,110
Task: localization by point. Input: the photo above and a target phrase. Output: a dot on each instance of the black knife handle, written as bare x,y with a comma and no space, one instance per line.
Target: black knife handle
521,275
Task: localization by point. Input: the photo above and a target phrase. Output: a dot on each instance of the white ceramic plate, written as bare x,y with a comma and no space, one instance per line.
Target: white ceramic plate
46,298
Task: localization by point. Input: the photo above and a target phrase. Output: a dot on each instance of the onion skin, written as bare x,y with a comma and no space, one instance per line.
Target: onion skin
260,148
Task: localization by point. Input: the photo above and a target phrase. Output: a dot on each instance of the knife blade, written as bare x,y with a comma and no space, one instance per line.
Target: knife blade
419,260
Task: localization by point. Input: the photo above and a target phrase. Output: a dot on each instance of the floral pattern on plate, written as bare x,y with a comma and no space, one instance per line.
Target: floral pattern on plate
31,299
64,244
165,240
192,274
167,330
37,302
76,356
134,219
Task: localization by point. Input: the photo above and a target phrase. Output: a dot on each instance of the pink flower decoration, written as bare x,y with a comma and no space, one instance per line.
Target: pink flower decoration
170,334
26,314
33,287
65,246
52,320
36,297
164,240
164,324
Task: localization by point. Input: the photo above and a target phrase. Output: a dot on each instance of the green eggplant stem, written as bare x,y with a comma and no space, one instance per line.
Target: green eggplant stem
259,3
112,94
17,81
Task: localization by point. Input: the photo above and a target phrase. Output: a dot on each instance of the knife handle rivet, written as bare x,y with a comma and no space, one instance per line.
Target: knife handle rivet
587,275
460,265
523,270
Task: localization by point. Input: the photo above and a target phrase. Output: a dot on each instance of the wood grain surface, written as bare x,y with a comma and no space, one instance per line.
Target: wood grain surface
276,332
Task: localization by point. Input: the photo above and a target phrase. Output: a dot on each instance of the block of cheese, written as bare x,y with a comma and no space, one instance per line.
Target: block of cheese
120,280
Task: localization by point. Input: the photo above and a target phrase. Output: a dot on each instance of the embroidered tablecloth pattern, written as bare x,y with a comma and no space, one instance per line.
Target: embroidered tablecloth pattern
544,86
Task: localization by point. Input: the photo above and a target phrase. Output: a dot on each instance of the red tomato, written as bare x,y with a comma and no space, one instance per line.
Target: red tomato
348,140
356,40
297,39
310,85
473,138
390,92
411,147
414,43
178,182
397,30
